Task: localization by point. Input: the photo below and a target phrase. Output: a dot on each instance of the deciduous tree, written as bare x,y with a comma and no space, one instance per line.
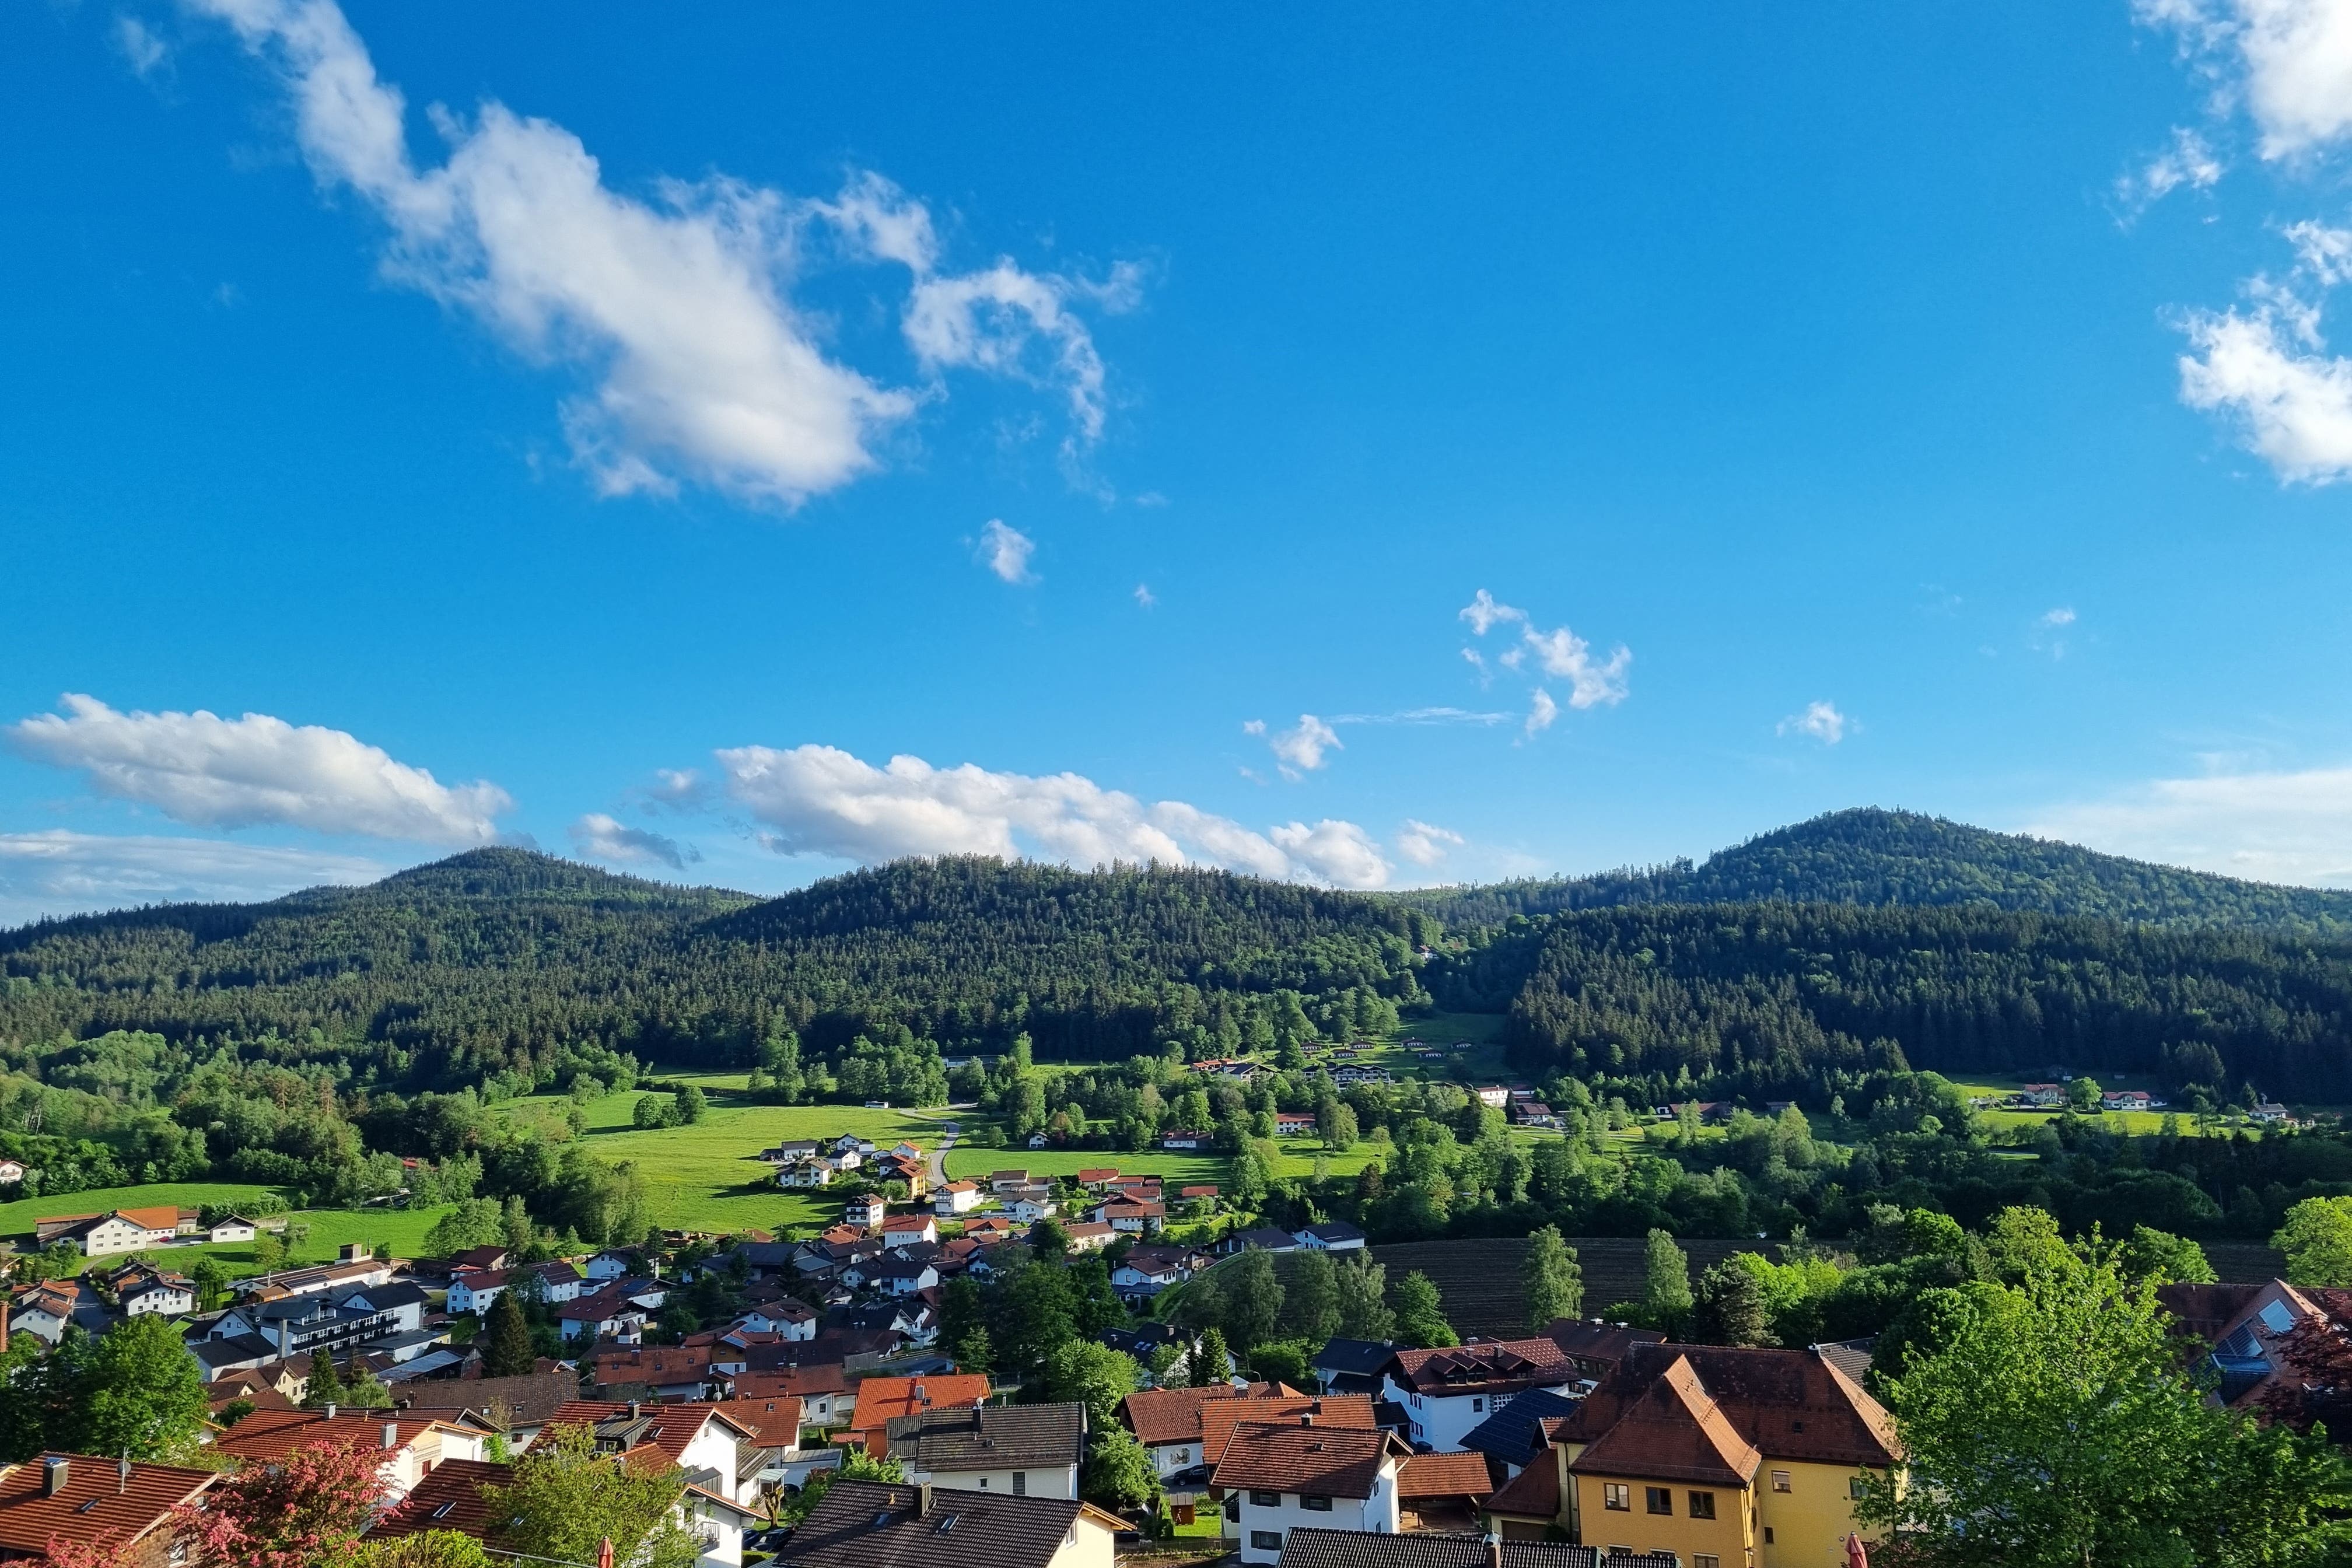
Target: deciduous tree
1552,1279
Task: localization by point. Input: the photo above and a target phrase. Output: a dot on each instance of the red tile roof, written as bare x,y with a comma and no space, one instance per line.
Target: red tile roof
1791,1403
1221,1420
775,1422
1496,1365
801,1382
671,1426
96,1499
1445,1475
880,1398
1331,1461
448,1498
269,1435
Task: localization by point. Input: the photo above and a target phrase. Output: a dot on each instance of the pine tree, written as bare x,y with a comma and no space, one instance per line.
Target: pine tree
1553,1278
325,1385
506,1342
1211,1365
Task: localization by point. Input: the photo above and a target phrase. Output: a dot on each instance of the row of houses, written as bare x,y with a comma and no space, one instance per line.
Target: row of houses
138,1229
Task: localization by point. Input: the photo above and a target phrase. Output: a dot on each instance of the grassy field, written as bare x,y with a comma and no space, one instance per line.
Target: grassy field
701,1176
403,1230
1177,1170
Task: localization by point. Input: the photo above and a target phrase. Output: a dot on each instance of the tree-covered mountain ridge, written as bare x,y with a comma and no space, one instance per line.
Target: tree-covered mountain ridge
503,965
1869,856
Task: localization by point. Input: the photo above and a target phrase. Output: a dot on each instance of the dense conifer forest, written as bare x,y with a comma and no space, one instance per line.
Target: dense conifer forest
1857,941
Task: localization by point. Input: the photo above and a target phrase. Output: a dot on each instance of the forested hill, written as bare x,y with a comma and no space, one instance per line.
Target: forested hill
1868,856
502,962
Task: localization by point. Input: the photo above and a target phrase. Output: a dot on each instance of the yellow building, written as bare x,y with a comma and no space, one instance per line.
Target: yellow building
1729,1458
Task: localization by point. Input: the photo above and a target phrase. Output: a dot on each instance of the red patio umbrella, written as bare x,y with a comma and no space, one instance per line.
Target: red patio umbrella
1856,1556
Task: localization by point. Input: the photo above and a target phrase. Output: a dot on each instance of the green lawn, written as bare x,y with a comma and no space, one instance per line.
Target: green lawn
401,1229
701,1176
1177,1170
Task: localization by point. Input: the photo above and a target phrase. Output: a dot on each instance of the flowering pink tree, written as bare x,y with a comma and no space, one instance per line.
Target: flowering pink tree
304,1510
107,1548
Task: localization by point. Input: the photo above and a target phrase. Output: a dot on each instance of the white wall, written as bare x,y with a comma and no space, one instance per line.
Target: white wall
1443,1421
1377,1513
1062,1482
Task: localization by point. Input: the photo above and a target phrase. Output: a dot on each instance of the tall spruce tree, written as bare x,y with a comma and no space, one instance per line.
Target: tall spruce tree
505,1341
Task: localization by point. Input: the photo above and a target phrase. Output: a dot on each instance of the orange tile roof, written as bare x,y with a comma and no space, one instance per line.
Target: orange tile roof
880,1398
1158,1415
802,1382
1533,1493
96,1499
451,1497
1791,1403
775,1422
1675,1431
1220,1420
1447,1475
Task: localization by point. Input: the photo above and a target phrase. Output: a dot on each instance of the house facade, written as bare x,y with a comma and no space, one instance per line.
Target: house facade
1447,1392
1278,1478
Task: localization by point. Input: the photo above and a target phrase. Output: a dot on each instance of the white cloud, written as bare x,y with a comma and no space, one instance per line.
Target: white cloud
1301,749
1144,595
676,308
2287,62
2064,616
140,45
2186,161
2264,369
1425,716
1564,654
1821,720
819,800
601,837
1252,726
1541,712
202,769
2322,251
1484,613
1424,844
1005,551
60,872
1560,653
2275,826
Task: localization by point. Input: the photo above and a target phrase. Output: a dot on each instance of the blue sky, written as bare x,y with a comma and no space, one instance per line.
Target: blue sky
429,426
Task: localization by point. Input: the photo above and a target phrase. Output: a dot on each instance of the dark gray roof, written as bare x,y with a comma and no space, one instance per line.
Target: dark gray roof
1332,1230
864,1524
1363,1549
1514,1433
1271,1237
990,1438
1363,1357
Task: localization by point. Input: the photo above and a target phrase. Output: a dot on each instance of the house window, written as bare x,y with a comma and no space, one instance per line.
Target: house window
1183,1455
1853,1489
1314,1504
1706,1560
1661,1500
1265,1540
1265,1500
1477,1405
1020,1483
1768,1535
1780,1481
1616,1495
1702,1505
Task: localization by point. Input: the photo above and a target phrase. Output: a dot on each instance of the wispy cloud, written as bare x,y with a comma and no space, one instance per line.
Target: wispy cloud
1005,551
674,310
57,873
140,45
2187,159
2286,63
2270,825
818,800
207,771
1144,597
600,837
1560,653
1424,844
1820,720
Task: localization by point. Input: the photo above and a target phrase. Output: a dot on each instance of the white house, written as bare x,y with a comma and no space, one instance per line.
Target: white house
812,1173
1134,1218
1447,1391
867,1210
612,1265
1331,1236
1494,1096
2125,1099
1017,1451
1148,1270
955,1198
12,1172
474,1290
231,1227
1278,1478
166,1295
2042,1094
907,1230
1183,1138
1028,1211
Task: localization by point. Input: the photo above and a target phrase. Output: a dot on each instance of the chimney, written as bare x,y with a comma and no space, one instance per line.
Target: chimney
636,1409
923,1501
1306,1418
53,1474
122,1476
1494,1552
331,1410
391,1435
